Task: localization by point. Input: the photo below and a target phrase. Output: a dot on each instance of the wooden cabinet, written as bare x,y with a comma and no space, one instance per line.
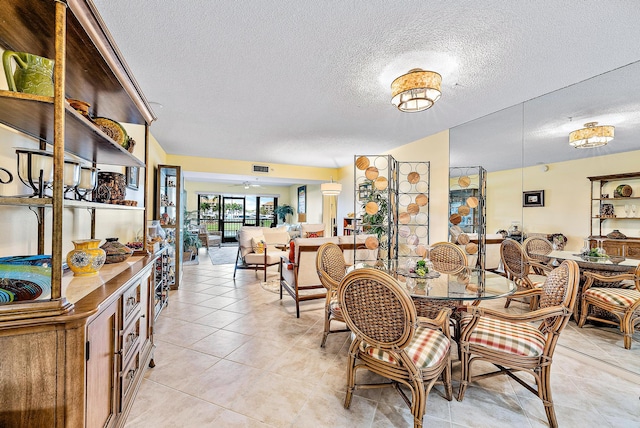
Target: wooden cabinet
615,204
73,357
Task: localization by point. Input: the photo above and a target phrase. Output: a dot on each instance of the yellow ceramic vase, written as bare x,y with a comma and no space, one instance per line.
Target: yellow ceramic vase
86,258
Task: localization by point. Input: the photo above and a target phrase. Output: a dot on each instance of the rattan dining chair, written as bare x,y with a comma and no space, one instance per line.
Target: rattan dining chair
512,343
331,269
621,300
537,249
391,341
447,257
518,267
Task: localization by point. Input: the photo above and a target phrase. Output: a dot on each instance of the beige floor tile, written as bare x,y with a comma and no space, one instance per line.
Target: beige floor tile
221,343
159,406
485,408
325,408
219,319
230,419
185,311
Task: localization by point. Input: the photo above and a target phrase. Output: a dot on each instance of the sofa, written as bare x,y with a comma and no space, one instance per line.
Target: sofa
298,275
260,247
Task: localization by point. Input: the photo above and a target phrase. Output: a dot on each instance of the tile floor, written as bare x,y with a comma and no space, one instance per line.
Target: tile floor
231,354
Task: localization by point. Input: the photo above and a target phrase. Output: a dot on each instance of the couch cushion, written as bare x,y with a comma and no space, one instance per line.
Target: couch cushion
245,236
311,227
275,237
273,257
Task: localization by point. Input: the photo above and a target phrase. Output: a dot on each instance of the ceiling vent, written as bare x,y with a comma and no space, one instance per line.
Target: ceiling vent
261,168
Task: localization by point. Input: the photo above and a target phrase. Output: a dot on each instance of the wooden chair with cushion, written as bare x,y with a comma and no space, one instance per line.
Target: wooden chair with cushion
513,344
537,249
623,301
208,237
447,257
331,269
391,341
518,268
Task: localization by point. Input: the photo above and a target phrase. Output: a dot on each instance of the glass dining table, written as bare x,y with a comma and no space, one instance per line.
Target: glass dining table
438,290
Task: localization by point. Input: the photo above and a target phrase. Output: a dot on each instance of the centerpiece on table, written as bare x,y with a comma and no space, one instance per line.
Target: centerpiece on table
425,270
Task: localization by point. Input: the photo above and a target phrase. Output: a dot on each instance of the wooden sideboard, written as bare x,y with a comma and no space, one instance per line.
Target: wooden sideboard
81,369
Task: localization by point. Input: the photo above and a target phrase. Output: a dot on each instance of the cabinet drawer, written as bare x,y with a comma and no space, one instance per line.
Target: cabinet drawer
127,378
130,338
130,301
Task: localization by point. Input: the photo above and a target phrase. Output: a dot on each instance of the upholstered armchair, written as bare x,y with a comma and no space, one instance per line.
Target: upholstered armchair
512,343
621,300
392,341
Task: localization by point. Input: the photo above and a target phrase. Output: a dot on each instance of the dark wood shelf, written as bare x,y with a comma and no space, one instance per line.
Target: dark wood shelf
95,69
68,203
33,115
617,199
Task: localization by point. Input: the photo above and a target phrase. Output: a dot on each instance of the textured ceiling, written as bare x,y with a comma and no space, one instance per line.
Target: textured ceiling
307,82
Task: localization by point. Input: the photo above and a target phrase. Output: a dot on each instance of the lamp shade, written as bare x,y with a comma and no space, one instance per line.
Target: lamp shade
416,91
331,189
591,136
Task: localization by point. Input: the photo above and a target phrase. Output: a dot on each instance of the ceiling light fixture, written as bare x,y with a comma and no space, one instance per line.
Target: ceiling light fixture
331,189
591,136
416,91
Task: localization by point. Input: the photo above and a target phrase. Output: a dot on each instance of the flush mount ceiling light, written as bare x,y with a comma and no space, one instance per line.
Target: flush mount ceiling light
331,189
591,136
416,91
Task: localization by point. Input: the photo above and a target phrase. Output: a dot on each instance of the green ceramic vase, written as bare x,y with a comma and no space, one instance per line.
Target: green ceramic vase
33,75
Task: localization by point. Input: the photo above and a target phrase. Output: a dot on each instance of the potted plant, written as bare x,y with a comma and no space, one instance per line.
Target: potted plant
190,245
282,211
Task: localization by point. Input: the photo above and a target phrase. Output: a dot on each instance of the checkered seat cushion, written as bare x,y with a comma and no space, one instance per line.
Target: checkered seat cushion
537,280
334,308
427,348
520,339
617,296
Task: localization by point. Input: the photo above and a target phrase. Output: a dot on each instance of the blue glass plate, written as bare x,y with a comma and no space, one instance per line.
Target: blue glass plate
25,278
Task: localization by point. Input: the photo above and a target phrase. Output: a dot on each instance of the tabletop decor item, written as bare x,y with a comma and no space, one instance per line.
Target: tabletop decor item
33,74
88,183
115,251
86,258
116,131
25,278
112,187
80,106
616,234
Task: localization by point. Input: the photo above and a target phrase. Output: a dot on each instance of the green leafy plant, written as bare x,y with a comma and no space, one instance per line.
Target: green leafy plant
190,242
282,211
376,223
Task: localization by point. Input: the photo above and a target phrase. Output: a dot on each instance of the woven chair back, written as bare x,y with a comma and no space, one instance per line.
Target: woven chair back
537,248
376,309
447,257
514,259
330,260
560,289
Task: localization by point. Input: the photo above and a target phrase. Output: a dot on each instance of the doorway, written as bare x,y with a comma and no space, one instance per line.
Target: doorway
233,217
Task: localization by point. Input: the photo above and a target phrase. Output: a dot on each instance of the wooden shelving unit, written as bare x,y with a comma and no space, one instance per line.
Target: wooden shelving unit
74,358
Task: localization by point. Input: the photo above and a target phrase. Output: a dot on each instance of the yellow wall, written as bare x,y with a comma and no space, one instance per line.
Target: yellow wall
567,197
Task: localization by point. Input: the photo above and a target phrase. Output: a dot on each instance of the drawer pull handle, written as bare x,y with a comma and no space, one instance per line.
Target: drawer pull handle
131,374
133,337
131,300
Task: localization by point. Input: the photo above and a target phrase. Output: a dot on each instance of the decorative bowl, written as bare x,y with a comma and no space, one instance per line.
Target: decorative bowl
25,278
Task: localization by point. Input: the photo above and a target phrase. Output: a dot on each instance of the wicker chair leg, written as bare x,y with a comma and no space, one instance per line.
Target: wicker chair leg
465,375
327,329
626,325
446,379
507,303
583,313
418,402
351,381
545,392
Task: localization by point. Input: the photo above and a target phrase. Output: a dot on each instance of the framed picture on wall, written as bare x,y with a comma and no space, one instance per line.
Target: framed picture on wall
533,198
133,177
302,203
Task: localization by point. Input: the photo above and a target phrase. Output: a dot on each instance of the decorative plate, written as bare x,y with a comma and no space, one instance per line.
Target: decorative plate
25,278
623,191
113,129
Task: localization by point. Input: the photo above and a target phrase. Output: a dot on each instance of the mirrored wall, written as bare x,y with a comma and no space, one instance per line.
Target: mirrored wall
536,178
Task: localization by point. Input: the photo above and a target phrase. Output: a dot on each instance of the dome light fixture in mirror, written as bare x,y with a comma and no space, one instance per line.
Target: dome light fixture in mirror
591,136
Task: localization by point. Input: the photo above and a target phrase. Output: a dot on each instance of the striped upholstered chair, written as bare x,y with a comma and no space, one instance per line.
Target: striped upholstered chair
331,269
623,301
513,344
391,341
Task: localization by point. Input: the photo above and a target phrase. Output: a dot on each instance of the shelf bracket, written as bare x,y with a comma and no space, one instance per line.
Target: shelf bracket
39,212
